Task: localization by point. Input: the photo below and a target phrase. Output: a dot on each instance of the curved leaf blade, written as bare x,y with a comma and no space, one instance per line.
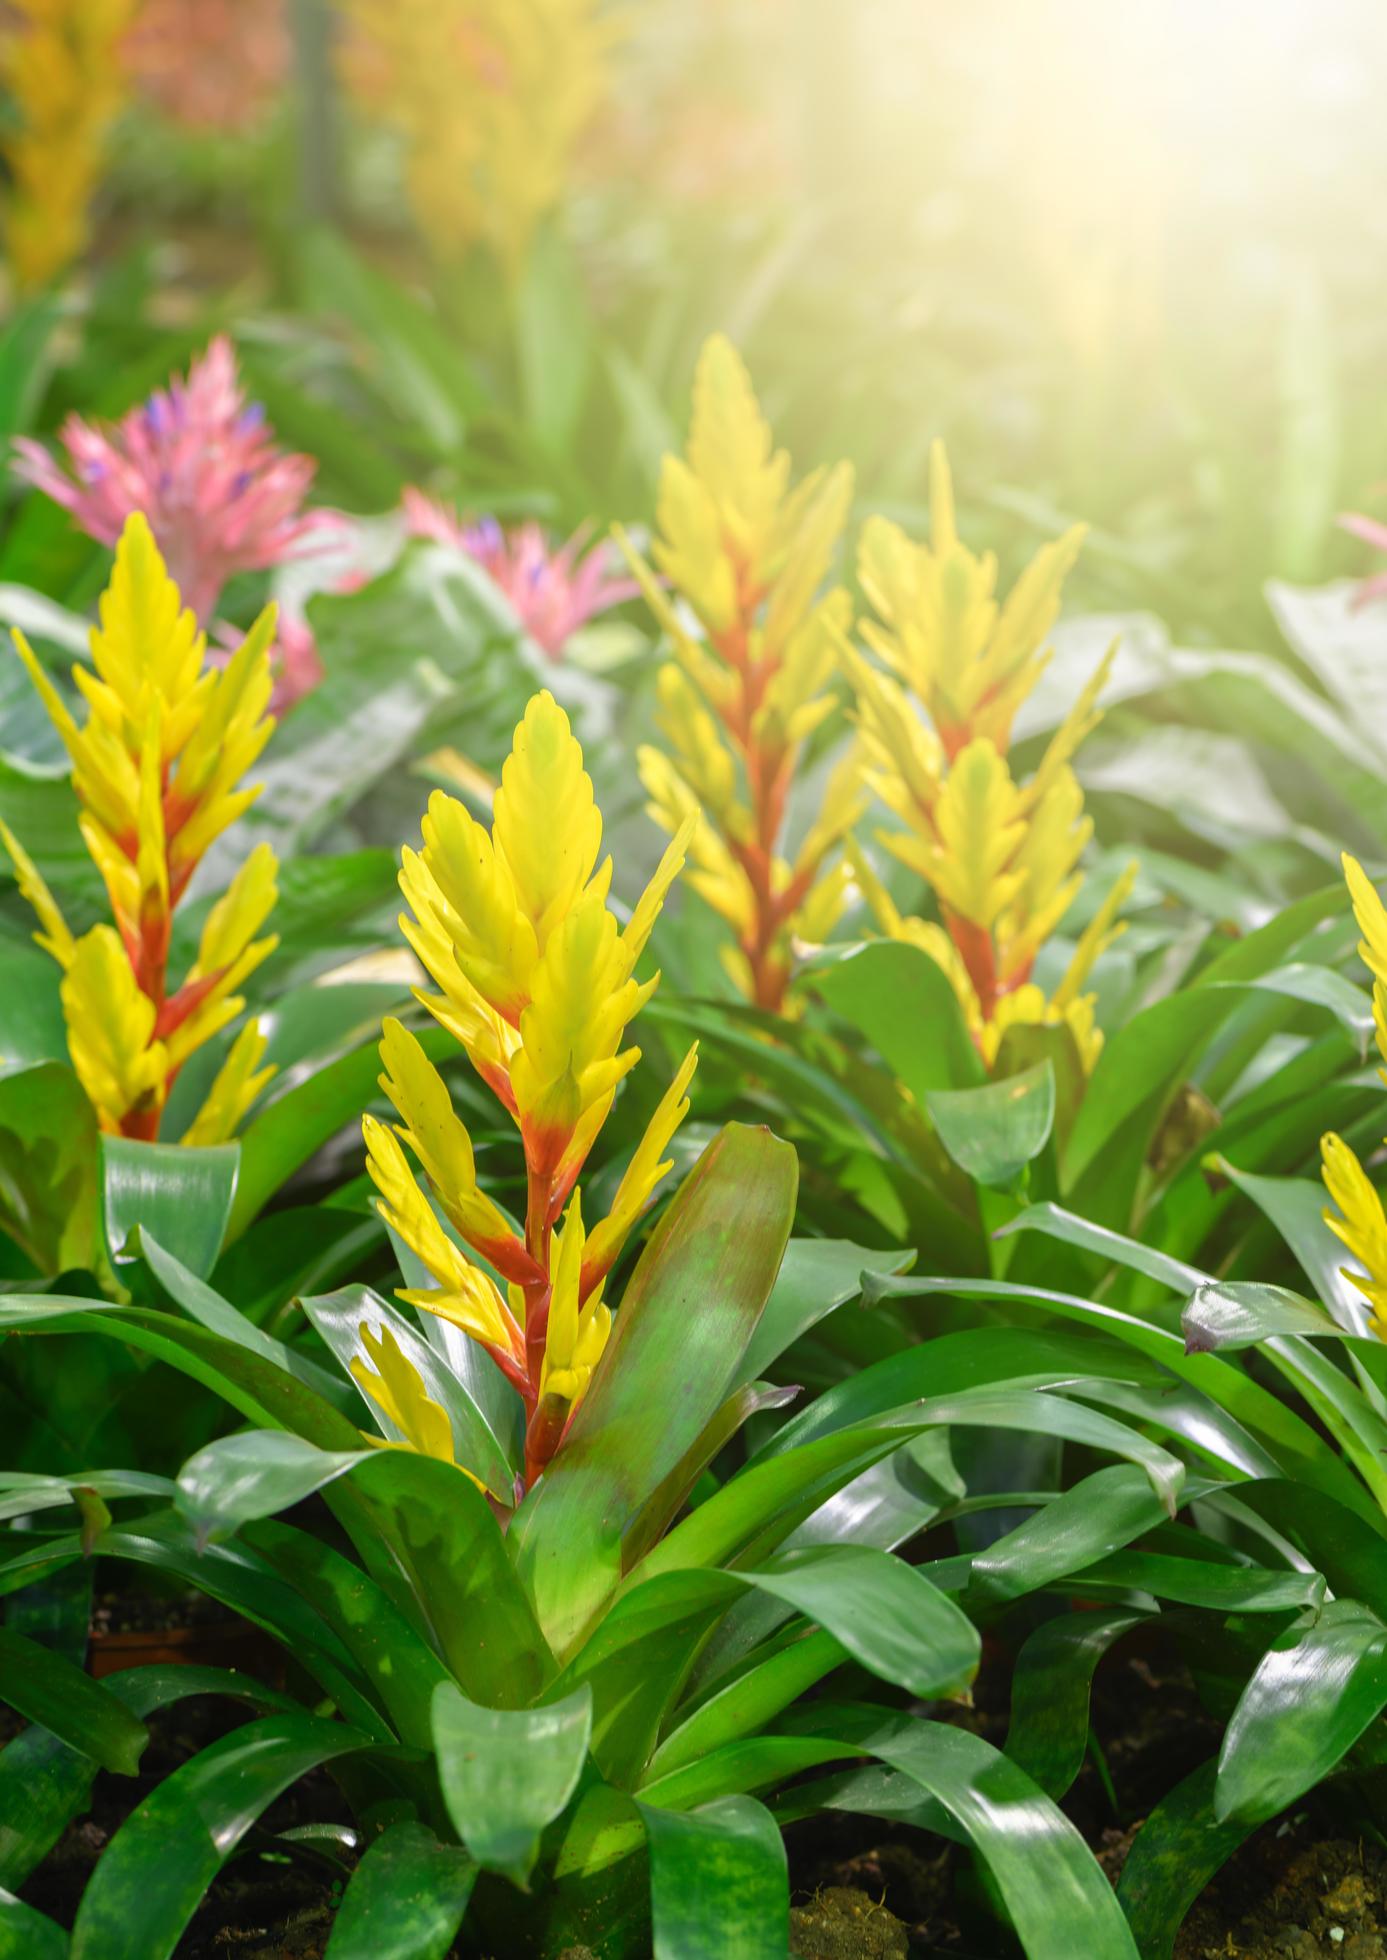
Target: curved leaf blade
508,1772
718,1881
405,1900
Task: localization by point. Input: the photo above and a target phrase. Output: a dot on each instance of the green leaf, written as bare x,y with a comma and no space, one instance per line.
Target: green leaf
405,1900
993,1132
430,1540
1311,1697
49,1176
26,360
1174,1855
154,1871
718,1882
180,1194
78,1710
207,1307
1050,1685
903,1003
1240,1313
1057,1223
1296,1206
27,1934
554,340
687,1316
748,1702
339,1318
507,1773
1200,1582
254,1475
1097,1516
44,1784
816,1277
1059,1900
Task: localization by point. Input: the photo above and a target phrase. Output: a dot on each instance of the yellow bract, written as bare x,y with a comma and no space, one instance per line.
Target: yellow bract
157,767
1356,1215
390,1379
748,554
536,980
64,73
491,97
1000,856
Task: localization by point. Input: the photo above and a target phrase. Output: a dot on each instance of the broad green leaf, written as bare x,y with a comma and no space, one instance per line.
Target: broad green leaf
49,1157
26,359
179,1194
685,1320
816,1276
1059,1900
554,340
27,1934
668,1496
1048,1732
339,1318
207,1307
718,1882
994,1131
79,1711
32,1029
431,1541
1057,1223
738,1768
749,1701
405,1900
1310,1699
1200,1582
254,1475
153,1873
1101,1513
1173,1856
902,1002
1240,1313
508,1772
1296,1207
44,1784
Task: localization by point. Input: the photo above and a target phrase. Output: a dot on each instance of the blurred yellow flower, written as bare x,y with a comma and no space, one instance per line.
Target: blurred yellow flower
1355,1214
62,67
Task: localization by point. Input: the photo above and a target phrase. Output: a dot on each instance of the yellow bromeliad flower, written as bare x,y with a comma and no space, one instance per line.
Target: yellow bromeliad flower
62,67
1357,1216
490,97
157,766
1001,856
536,980
748,554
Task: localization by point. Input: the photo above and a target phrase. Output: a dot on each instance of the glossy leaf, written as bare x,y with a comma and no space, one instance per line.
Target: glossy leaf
254,1475
339,1318
1048,1732
507,1773
993,1132
686,1318
718,1882
816,1276
902,1001
1097,1516
27,1934
155,1869
405,1900
1296,1206
79,1711
1173,1856
1310,1699
181,1195
49,1166
1240,1313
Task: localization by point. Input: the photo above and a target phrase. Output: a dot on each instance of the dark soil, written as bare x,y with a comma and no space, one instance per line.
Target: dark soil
1283,1898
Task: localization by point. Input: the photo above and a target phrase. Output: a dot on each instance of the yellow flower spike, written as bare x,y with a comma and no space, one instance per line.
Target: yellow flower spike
547,828
388,1378
527,915
577,1331
1371,917
53,935
1001,856
1358,1221
110,1033
65,78
234,1088
438,1137
747,555
156,768
637,1187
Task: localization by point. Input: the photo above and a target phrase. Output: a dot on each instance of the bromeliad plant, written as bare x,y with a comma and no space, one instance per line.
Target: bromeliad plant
157,767
1000,857
537,983
747,554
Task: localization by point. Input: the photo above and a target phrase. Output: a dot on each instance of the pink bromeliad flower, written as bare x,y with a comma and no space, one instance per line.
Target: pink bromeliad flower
554,589
1372,531
202,463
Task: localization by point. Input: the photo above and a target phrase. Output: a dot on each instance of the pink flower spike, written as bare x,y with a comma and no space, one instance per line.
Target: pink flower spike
1374,532
554,589
201,462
